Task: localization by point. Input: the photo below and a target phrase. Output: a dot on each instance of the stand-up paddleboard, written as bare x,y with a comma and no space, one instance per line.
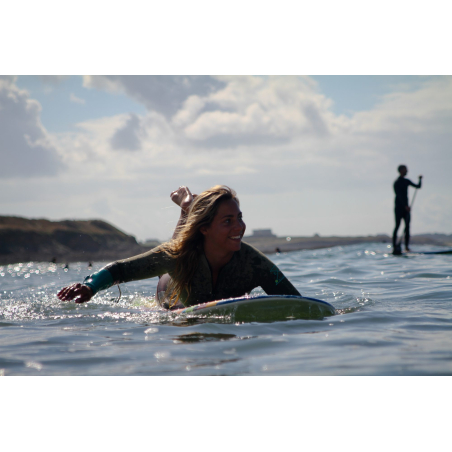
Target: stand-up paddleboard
415,253
431,252
261,308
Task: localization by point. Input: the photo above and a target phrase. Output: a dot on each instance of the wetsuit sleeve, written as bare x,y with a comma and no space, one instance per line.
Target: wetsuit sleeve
415,185
270,277
278,284
148,265
100,280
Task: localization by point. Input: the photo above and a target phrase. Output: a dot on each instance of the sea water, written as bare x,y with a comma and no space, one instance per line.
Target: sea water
393,317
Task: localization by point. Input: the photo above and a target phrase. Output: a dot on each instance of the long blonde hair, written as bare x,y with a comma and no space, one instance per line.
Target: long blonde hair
188,246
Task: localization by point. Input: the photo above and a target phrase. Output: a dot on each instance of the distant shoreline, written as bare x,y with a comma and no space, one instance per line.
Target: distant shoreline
270,244
41,240
267,245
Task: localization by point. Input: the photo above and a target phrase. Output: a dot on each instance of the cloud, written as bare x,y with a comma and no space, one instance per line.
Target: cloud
224,111
425,109
128,136
256,110
76,100
276,122
26,148
8,78
161,93
53,79
407,126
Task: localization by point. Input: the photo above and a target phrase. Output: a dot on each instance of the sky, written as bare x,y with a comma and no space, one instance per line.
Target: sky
306,154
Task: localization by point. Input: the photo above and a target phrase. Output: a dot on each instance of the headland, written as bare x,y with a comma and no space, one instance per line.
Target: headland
25,240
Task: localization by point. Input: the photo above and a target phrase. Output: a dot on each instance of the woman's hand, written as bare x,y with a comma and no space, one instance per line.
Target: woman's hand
80,292
183,198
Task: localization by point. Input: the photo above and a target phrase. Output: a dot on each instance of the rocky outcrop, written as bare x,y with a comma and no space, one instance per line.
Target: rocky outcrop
23,240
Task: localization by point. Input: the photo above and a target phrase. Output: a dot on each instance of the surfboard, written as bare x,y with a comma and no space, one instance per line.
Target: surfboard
261,308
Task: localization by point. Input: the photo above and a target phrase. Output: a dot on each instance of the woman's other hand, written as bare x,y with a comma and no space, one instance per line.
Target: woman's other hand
182,197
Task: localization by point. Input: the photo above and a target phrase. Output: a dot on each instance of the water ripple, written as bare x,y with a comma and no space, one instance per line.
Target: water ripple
393,317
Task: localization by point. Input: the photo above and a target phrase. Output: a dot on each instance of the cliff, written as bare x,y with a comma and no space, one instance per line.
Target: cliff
23,240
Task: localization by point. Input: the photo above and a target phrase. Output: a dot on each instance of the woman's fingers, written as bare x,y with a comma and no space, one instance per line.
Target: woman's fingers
83,298
77,291
62,293
67,293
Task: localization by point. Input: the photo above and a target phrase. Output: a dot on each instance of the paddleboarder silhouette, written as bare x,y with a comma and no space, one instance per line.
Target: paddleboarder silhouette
402,208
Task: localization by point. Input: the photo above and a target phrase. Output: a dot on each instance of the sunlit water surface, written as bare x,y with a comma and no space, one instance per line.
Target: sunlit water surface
393,318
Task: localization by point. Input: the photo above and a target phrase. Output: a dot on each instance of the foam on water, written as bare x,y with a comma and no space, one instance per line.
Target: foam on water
393,318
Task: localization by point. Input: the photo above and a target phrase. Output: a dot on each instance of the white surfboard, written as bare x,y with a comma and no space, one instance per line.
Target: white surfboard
261,308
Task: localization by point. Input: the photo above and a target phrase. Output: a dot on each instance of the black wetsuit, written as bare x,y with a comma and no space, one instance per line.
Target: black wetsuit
401,203
247,269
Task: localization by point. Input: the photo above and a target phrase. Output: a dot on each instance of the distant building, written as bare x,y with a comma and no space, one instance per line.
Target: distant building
263,233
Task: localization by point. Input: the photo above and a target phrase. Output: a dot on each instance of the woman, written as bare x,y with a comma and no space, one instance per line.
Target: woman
206,259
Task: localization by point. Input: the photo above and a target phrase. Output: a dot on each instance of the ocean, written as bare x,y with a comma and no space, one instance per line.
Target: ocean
393,318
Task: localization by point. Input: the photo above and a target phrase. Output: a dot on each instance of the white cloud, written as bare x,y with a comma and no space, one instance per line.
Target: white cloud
76,100
53,79
280,125
192,106
128,136
427,108
225,111
26,148
255,110
8,78
161,93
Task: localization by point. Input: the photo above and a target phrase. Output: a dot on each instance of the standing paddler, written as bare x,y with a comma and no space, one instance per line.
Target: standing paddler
402,208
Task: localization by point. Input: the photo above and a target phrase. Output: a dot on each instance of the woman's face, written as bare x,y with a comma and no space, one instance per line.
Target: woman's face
226,230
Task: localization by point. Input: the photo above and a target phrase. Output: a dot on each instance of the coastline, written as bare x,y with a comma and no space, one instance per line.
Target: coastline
41,240
267,245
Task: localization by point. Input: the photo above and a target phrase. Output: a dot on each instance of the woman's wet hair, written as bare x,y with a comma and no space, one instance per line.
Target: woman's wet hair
187,247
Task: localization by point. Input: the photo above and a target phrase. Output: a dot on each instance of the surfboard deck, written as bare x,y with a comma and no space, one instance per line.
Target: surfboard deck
261,308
